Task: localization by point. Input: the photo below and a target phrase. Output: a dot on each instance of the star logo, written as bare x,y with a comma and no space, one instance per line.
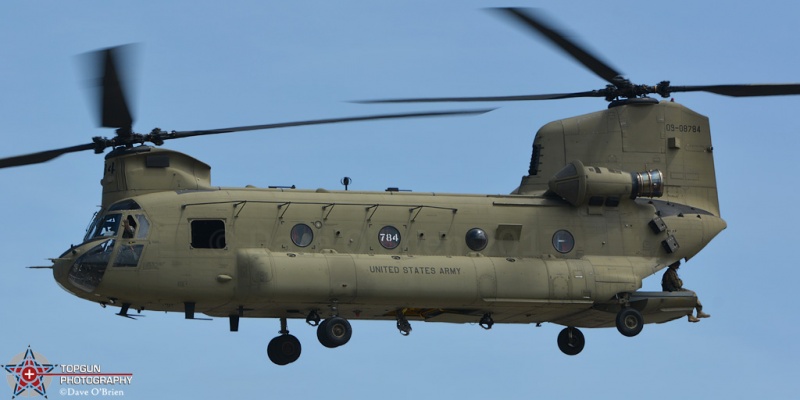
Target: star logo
29,373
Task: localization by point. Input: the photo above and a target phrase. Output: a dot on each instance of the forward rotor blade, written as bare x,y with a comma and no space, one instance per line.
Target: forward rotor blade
182,134
42,156
776,89
528,18
114,105
158,136
553,96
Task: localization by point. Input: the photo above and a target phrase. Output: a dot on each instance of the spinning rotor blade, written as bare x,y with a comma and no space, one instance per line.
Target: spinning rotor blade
115,113
158,136
183,134
618,88
553,96
113,104
528,19
536,22
42,156
775,89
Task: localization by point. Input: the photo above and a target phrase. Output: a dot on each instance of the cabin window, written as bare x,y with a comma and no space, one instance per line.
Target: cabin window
563,241
477,239
389,237
208,234
302,235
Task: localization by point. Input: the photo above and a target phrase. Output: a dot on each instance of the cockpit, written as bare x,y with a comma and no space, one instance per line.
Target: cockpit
118,237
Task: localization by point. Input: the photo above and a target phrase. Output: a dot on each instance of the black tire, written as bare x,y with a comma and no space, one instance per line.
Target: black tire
629,322
571,341
334,332
284,349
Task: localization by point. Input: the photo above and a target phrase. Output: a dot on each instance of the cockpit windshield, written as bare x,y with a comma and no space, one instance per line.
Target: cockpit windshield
106,226
103,226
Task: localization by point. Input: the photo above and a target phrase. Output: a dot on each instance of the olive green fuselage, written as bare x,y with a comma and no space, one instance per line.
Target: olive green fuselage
569,246
520,276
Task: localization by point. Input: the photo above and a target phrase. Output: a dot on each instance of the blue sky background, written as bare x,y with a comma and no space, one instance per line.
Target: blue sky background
204,64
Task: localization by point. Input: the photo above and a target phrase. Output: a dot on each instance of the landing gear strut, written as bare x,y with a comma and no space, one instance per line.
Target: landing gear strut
313,318
571,341
486,322
284,349
402,323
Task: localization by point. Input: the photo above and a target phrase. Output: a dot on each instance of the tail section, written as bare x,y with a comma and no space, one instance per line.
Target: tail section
641,134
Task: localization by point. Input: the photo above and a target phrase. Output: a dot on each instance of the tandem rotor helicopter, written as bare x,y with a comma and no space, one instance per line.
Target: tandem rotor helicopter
610,198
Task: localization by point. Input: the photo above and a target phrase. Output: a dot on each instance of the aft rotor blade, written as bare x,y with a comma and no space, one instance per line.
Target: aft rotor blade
42,156
776,89
537,23
182,134
552,96
115,112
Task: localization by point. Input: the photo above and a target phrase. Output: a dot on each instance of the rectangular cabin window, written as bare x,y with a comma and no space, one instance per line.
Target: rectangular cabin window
208,234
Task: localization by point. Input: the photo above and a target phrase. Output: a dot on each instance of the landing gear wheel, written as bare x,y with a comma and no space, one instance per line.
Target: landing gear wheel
629,322
284,349
334,332
571,341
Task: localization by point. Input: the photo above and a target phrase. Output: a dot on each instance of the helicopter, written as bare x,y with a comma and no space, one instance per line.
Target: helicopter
610,198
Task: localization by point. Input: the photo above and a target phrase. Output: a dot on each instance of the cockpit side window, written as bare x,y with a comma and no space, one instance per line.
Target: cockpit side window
134,227
144,226
128,227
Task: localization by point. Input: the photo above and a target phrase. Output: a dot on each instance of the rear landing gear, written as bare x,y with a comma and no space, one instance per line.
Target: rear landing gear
334,332
571,341
629,321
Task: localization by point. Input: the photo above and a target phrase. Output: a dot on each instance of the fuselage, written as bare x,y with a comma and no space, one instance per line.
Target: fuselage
274,252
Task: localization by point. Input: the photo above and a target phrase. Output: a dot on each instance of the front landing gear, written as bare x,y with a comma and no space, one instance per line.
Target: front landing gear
284,349
571,341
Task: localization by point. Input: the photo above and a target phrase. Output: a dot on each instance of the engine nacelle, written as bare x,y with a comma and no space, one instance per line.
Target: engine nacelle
579,184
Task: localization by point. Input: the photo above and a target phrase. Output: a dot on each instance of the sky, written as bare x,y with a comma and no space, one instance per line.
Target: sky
207,64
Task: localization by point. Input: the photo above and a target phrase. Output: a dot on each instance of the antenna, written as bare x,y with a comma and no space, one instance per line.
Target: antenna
346,181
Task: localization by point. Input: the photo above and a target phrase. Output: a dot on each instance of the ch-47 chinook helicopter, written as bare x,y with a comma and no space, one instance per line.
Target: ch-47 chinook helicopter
610,198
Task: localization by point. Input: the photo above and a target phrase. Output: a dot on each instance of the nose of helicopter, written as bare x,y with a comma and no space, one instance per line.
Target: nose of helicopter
61,268
80,269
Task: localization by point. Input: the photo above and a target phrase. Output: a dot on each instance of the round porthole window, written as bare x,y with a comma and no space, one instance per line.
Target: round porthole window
389,237
302,235
477,239
563,241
